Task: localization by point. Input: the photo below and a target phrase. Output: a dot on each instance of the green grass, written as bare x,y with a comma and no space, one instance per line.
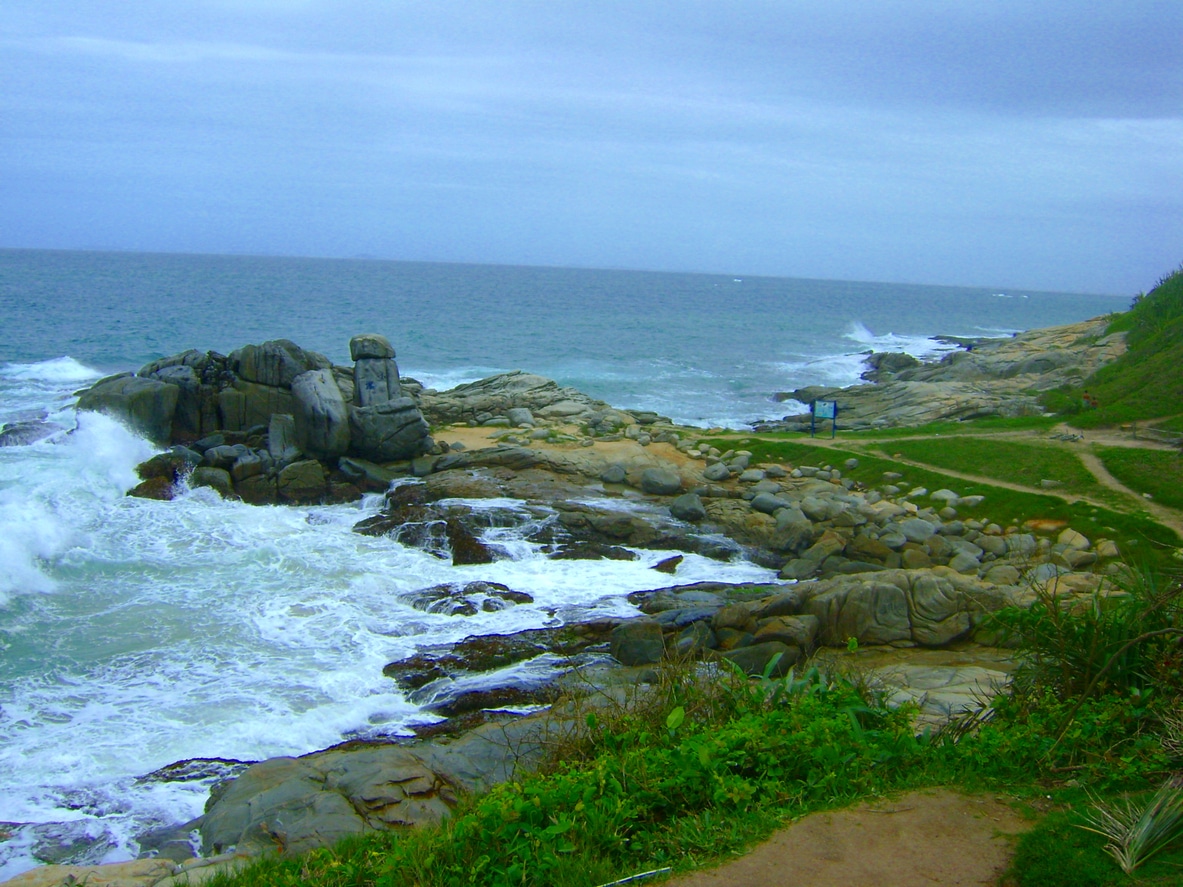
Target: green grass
1157,472
1139,536
1058,853
1145,383
1174,424
989,425
661,787
1011,461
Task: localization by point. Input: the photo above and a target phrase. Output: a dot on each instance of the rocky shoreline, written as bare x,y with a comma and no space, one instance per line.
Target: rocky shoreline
888,565
984,377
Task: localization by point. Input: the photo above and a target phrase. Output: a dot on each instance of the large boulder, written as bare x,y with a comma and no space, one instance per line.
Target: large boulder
322,416
688,507
276,363
187,419
292,805
246,404
638,642
370,346
145,405
302,481
661,481
388,432
931,607
755,659
872,612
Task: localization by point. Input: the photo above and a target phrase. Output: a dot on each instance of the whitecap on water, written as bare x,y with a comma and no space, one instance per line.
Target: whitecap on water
58,371
208,628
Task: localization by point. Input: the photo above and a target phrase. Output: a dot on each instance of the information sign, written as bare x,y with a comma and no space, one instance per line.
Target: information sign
823,409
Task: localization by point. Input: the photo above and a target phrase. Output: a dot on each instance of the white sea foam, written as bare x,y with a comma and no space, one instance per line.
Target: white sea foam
60,370
48,491
843,369
920,347
207,628
447,379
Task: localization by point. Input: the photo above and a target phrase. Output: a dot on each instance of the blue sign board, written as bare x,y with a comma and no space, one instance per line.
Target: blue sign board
823,409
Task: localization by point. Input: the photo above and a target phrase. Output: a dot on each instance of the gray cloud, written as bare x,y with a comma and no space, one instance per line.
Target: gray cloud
996,143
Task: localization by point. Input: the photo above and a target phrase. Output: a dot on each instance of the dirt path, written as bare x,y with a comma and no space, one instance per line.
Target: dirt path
934,836
1082,449
1168,517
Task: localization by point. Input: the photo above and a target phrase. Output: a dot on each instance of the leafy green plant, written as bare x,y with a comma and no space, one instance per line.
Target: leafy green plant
1137,832
1105,642
1094,695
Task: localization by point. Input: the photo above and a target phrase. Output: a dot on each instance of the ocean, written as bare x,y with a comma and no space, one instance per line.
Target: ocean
134,633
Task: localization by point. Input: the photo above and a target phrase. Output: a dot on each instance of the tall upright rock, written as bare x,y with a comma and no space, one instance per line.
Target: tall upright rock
384,425
375,373
322,417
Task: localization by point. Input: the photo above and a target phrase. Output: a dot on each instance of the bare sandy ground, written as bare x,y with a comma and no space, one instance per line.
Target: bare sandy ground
934,836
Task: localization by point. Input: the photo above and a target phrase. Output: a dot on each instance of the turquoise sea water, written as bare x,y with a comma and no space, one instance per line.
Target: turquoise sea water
706,349
136,633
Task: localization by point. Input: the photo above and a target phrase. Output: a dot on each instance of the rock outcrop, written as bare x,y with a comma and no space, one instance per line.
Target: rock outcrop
295,804
256,417
874,562
990,377
479,402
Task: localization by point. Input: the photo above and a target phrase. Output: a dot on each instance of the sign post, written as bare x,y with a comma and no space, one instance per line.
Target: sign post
823,409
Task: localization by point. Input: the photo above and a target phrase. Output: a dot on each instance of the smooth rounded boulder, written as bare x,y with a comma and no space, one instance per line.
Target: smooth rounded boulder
322,416
688,507
372,346
661,481
147,405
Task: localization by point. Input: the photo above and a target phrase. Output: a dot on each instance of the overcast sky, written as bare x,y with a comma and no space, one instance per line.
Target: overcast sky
981,142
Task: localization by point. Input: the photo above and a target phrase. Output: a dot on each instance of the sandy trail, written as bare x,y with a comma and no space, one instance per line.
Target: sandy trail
933,836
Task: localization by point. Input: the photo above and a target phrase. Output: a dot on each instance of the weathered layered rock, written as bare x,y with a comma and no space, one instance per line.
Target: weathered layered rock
477,402
291,805
996,377
276,363
388,431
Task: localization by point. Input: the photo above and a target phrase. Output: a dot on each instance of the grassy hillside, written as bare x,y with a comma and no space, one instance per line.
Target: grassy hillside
1146,383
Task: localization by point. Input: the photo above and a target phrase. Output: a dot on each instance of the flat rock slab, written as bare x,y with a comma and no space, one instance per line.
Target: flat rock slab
137,873
934,836
943,683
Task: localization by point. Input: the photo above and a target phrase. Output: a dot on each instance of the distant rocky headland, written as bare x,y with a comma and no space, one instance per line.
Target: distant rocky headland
984,377
887,564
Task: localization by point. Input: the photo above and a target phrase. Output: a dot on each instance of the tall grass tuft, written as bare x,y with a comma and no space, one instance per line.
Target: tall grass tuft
1106,643
1136,833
